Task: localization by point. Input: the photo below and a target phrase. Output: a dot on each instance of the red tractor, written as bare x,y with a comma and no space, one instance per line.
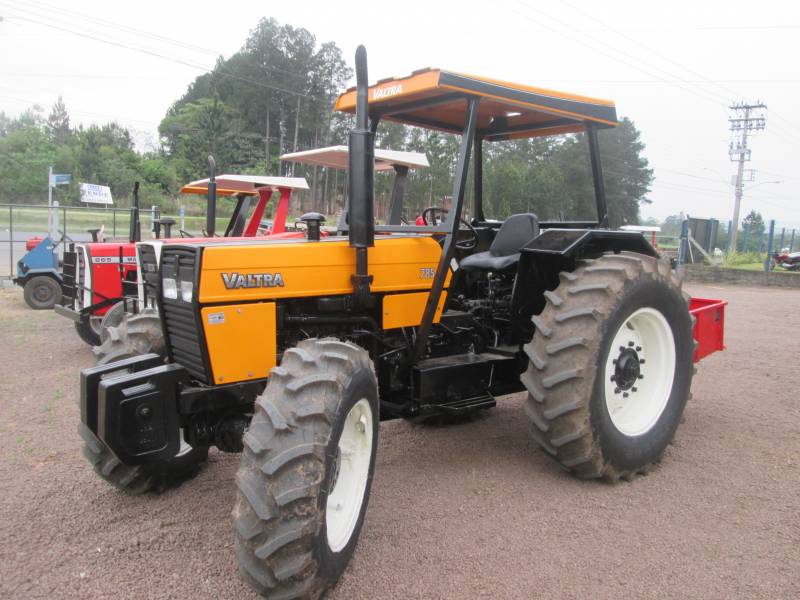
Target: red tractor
100,278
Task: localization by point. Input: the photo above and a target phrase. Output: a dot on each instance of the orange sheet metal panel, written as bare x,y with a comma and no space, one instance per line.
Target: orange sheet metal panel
241,340
405,310
392,89
265,270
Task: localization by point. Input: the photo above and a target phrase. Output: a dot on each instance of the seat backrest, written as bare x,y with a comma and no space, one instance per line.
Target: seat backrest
514,233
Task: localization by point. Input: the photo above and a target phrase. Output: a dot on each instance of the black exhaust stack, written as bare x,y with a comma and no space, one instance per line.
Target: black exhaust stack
135,234
211,209
361,221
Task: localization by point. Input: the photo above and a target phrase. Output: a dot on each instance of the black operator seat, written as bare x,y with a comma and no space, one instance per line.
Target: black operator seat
513,235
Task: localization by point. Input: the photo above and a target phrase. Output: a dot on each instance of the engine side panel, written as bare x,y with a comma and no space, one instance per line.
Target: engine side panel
241,340
310,269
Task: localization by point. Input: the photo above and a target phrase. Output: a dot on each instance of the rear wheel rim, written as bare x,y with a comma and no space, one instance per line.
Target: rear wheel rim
351,471
639,372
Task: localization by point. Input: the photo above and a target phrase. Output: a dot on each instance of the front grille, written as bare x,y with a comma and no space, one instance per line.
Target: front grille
69,269
148,267
182,323
80,277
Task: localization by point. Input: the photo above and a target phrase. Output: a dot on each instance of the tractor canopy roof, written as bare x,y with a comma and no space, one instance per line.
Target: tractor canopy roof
336,157
435,99
249,185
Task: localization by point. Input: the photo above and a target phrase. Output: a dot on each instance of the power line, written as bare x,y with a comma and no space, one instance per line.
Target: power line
175,60
598,46
81,17
119,27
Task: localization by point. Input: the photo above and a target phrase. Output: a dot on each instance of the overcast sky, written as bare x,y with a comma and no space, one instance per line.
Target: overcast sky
672,67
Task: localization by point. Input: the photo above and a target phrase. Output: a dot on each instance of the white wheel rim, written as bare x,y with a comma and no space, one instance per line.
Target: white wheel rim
354,453
95,324
639,371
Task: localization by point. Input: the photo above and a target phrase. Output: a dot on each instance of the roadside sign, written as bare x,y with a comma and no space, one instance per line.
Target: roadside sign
96,194
59,179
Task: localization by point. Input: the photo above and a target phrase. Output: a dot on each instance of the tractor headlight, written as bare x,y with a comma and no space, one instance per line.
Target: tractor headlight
170,288
187,287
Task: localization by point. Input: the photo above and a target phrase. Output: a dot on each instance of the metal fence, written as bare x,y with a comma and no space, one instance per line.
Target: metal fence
21,222
753,245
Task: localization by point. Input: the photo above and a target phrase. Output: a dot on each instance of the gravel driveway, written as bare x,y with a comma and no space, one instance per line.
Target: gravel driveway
469,511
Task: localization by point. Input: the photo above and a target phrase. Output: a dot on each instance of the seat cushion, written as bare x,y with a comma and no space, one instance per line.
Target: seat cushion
486,261
514,233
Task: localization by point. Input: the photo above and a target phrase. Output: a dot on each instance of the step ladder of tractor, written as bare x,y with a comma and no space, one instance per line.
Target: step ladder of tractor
466,405
68,272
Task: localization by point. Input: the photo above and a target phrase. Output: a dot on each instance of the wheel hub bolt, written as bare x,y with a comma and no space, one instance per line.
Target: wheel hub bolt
617,390
641,376
625,394
638,348
641,361
613,378
630,344
633,389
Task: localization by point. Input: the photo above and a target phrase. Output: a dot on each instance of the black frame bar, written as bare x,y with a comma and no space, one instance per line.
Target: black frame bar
477,180
597,175
452,223
398,191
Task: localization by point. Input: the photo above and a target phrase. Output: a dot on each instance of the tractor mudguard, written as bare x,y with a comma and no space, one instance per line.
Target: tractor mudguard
556,250
587,243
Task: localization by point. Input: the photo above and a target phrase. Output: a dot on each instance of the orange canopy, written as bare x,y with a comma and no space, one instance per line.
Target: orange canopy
435,99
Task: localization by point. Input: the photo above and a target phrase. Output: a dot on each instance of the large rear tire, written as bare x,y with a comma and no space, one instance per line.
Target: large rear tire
135,480
42,292
611,366
305,474
136,334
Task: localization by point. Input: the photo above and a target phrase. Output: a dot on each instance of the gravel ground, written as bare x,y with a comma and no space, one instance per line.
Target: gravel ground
468,511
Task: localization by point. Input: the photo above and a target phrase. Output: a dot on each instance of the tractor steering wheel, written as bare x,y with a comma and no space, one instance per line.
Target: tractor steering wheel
184,233
468,244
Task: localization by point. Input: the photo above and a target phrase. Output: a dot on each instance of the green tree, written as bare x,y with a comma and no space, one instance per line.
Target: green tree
58,123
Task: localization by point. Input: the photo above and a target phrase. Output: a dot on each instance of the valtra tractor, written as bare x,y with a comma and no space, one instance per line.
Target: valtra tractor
100,278
292,351
137,328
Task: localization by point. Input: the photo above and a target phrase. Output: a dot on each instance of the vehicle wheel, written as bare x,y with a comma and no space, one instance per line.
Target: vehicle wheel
611,365
305,474
112,318
88,329
135,335
42,292
155,477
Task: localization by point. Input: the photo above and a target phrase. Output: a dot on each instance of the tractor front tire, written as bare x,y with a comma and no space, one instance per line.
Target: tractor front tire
136,334
305,474
135,480
611,365
88,329
42,292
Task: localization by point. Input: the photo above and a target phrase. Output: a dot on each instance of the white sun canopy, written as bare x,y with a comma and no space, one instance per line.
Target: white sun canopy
229,185
336,157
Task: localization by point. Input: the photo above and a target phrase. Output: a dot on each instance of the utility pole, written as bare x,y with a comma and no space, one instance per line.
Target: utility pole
746,118
266,145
